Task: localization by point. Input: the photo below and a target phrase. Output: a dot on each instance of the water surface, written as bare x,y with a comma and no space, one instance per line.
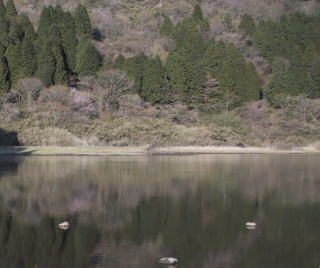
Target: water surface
130,211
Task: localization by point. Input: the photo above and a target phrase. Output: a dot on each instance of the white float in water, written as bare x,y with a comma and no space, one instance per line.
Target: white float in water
251,225
168,261
64,225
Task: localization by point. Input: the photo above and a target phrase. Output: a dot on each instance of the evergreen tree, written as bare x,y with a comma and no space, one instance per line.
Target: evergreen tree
15,32
4,35
253,84
45,65
2,9
26,27
167,28
82,23
247,24
236,76
197,13
13,59
11,10
154,85
69,40
88,59
28,60
186,65
60,73
4,75
54,36
134,68
44,24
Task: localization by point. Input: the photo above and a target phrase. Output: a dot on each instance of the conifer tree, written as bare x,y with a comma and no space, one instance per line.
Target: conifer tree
88,59
13,59
69,40
44,24
60,73
2,9
254,83
247,24
45,65
82,23
4,75
26,27
167,27
197,13
186,65
54,36
15,32
4,35
11,10
135,67
154,84
28,60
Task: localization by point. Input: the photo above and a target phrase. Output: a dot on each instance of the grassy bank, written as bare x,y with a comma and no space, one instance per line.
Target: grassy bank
145,150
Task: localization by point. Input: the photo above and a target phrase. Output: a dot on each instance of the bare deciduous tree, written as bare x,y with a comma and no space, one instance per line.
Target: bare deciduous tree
28,90
110,85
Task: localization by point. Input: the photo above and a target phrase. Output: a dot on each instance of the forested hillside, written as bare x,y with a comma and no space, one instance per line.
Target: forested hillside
161,72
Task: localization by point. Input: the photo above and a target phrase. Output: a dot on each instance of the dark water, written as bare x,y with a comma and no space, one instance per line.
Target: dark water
131,211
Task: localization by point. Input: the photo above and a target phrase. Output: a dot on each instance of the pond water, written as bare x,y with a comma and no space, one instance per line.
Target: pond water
130,211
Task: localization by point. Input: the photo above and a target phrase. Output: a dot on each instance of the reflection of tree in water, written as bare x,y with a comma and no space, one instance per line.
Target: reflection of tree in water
44,245
129,214
191,227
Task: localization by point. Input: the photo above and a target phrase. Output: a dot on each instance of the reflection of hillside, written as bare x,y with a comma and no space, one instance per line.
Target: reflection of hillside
113,186
127,212
43,245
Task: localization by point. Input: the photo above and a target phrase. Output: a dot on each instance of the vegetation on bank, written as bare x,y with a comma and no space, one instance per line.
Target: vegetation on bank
61,87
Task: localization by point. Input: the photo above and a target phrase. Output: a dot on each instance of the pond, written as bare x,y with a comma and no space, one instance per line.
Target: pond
127,212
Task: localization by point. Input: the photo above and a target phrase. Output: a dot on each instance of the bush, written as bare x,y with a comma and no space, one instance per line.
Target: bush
57,94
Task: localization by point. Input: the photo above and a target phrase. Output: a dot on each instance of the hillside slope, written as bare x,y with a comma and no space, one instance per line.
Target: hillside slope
221,75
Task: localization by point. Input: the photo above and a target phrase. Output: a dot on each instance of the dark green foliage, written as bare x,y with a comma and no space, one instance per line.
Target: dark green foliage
2,9
68,40
167,28
4,75
4,33
26,27
46,65
53,52
44,23
60,72
11,10
238,77
54,35
135,68
227,65
155,87
197,13
247,24
82,23
28,61
88,59
186,65
13,57
15,32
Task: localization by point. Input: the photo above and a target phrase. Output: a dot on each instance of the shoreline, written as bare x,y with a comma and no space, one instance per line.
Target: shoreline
147,151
